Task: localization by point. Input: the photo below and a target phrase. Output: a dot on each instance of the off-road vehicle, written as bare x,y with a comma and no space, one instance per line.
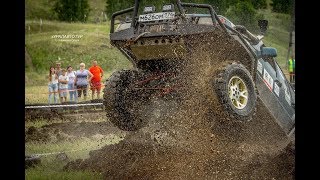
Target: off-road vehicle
162,39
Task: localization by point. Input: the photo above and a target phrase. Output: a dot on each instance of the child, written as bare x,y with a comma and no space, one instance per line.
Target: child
63,85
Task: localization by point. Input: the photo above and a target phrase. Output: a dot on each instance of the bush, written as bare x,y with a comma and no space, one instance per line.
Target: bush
116,5
282,6
72,10
35,9
243,13
259,4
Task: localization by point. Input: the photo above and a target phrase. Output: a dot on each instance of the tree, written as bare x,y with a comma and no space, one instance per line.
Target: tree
72,10
243,13
259,4
116,5
282,6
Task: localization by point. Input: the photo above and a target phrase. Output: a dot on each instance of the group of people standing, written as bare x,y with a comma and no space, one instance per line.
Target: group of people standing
62,81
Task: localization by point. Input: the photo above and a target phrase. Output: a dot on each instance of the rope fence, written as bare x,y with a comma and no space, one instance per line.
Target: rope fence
62,105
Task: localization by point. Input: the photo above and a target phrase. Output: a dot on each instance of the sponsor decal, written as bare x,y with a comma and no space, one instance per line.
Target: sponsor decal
287,94
259,67
268,79
276,89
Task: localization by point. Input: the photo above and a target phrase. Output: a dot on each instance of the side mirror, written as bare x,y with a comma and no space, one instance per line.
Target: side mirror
263,25
269,52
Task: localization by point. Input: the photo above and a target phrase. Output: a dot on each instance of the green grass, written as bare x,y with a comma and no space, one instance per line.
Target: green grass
38,123
40,173
277,35
45,50
78,148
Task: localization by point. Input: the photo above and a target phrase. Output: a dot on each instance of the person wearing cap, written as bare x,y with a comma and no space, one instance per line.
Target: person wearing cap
83,77
63,85
96,79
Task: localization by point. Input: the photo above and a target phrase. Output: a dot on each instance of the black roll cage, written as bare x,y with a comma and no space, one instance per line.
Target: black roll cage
180,6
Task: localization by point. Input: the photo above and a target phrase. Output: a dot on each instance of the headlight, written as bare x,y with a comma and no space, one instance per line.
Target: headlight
149,9
168,7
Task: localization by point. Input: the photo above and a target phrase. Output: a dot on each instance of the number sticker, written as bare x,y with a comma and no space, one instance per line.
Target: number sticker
259,67
268,79
276,89
287,94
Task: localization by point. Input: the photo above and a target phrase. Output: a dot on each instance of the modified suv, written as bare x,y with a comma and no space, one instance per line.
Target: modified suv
162,40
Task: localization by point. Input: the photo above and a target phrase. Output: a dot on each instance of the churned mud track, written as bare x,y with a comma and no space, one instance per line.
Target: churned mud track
77,126
180,146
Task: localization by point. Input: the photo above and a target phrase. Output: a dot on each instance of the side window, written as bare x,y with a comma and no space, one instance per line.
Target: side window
280,74
288,91
271,62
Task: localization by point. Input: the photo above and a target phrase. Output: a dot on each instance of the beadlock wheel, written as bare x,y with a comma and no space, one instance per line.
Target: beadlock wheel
238,92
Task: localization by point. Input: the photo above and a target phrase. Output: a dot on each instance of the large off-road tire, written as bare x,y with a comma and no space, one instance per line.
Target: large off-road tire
121,102
236,91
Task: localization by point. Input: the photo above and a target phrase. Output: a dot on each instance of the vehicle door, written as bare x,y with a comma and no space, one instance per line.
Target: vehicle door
287,93
275,92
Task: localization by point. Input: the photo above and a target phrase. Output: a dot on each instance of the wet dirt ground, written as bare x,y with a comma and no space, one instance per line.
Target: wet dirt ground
173,147
73,126
254,150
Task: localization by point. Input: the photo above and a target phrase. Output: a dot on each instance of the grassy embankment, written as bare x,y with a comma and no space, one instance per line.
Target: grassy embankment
45,50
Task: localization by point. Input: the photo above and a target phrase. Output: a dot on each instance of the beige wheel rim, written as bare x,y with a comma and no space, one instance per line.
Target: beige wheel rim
238,92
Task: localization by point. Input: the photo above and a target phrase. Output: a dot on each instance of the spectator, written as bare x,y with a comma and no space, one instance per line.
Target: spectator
53,85
58,68
291,66
63,85
96,80
58,72
71,87
83,77
294,69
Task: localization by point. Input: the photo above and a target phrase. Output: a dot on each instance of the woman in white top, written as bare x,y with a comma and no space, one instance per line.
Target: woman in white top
73,95
53,85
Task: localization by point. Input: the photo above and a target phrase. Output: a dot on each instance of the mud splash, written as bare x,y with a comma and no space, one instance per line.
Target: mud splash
190,138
